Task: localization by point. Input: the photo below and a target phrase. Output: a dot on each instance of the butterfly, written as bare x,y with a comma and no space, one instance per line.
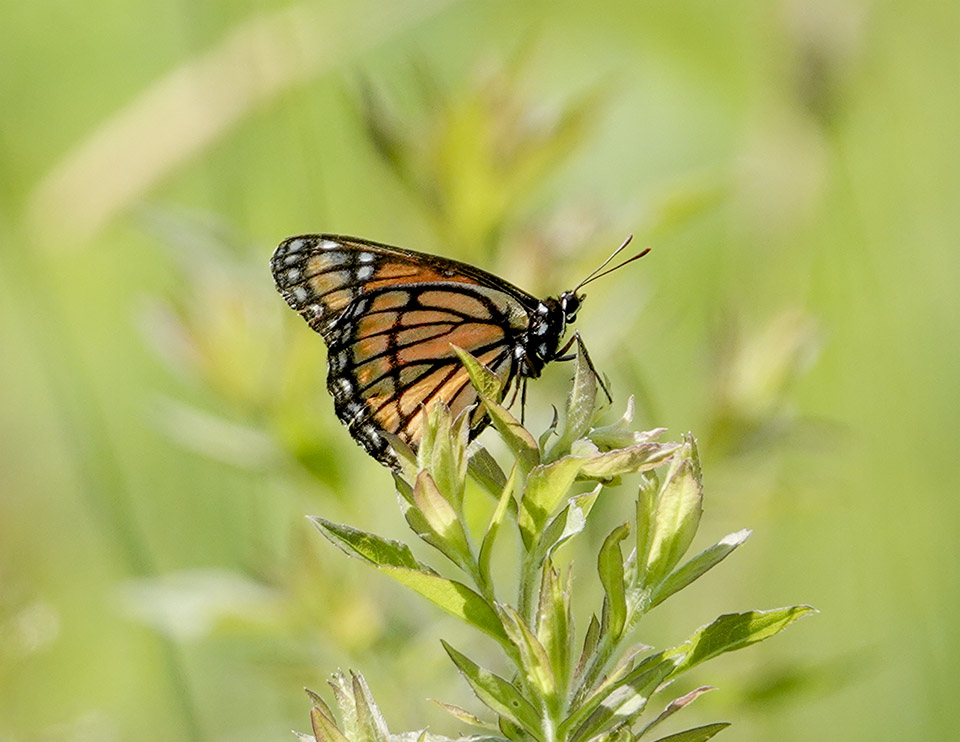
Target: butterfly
389,317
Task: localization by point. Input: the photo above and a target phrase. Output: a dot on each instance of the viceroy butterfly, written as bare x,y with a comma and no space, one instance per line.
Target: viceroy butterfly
389,317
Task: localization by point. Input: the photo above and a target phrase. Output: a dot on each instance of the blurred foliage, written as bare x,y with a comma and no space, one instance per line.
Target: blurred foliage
163,420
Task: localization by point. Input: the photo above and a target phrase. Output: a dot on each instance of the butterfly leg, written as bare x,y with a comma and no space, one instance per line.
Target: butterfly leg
562,356
523,400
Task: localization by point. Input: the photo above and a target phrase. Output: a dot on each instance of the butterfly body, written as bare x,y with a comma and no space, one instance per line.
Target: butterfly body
390,317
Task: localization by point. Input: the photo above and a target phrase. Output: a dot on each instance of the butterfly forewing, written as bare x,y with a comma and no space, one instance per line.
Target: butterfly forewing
390,317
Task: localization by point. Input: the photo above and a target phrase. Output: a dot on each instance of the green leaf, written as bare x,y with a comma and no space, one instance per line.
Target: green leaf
625,702
405,455
697,734
555,624
568,523
486,547
343,692
453,597
551,429
487,473
324,730
587,698
517,438
733,631
678,515
436,425
463,715
610,566
374,549
533,657
619,434
581,404
511,731
675,705
546,487
696,567
404,489
442,519
646,522
371,724
497,693
320,704
445,458
632,460
590,640
485,381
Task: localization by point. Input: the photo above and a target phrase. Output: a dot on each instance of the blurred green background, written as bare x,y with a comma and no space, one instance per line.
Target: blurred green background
163,421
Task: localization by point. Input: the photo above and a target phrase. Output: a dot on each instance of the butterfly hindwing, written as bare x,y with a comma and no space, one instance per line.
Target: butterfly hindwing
390,317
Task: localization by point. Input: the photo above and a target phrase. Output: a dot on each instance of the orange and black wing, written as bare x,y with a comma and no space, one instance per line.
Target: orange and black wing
390,317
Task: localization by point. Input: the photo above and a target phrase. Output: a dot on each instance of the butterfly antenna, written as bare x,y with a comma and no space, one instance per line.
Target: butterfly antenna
595,275
606,262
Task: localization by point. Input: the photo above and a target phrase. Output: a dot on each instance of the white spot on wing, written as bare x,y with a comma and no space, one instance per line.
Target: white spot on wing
354,410
365,272
293,274
366,257
329,245
300,293
291,259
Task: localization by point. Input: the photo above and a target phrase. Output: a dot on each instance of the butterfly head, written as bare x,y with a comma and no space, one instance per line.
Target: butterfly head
570,305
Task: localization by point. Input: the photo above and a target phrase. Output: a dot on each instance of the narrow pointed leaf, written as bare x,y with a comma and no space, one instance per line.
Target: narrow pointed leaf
696,567
553,625
734,631
320,704
517,438
646,523
324,730
463,715
590,640
372,726
369,547
343,692
497,693
536,663
625,702
405,454
697,734
486,472
568,523
551,429
581,404
589,698
490,537
632,460
454,597
675,705
485,381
